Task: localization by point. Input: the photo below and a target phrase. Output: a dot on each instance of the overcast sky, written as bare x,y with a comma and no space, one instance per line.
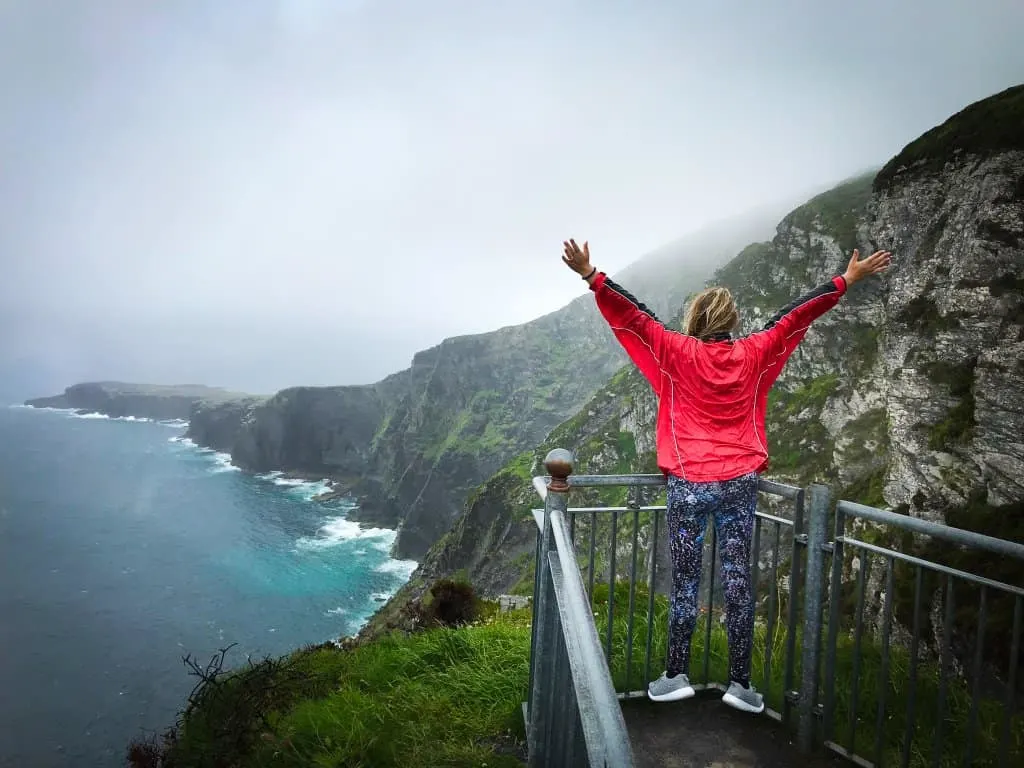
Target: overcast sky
255,194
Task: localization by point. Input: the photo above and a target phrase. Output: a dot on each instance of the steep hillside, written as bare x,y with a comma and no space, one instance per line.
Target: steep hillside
412,447
905,396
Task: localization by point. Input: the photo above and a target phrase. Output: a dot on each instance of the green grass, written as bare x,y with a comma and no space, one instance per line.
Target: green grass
439,698
452,697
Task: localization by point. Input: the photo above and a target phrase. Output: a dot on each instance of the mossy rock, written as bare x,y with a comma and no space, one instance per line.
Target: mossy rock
986,127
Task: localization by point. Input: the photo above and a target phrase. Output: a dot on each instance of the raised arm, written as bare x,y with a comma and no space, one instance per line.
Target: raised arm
786,328
644,337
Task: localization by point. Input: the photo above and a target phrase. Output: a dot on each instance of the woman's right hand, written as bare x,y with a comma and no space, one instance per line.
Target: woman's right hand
576,258
858,269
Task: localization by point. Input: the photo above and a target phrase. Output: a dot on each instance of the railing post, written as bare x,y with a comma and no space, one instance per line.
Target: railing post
559,465
817,522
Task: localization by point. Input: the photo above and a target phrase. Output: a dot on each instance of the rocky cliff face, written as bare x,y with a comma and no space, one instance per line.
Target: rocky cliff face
905,396
118,399
413,447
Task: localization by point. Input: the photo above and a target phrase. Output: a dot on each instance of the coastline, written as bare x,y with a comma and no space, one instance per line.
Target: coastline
333,494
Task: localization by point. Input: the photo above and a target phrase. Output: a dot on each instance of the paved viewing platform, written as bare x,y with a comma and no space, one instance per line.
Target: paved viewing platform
702,732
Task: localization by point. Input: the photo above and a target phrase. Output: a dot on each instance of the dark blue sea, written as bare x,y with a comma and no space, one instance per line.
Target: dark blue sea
123,547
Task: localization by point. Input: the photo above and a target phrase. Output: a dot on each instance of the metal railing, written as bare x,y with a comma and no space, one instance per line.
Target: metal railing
573,714
978,683
559,724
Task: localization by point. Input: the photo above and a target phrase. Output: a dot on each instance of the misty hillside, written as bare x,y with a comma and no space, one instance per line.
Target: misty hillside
905,396
412,447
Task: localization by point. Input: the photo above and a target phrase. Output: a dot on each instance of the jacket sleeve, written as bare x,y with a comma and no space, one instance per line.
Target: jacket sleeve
645,338
786,328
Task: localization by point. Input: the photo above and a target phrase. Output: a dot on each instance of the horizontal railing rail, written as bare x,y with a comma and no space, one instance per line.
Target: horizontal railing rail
880,665
871,741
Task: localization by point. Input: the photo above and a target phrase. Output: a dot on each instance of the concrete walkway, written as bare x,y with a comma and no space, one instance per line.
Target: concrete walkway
702,732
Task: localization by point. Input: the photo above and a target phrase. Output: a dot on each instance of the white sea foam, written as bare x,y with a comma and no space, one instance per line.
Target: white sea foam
339,529
107,417
222,463
381,597
403,568
186,442
296,486
339,611
384,546
288,482
174,423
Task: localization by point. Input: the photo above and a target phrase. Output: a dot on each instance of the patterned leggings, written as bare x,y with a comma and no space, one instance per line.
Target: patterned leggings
733,503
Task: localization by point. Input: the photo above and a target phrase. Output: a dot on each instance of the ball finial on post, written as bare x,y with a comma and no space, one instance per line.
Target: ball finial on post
558,463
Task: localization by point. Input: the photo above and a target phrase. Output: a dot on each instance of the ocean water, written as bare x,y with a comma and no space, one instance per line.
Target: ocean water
123,547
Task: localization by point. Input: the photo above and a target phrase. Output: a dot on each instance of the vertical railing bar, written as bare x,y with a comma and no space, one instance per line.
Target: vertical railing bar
542,653
755,563
883,677
546,617
795,574
593,549
632,598
835,590
535,628
566,703
550,713
862,581
571,752
579,738
710,608
652,581
572,528
545,713
769,640
1011,682
944,663
817,525
979,645
915,641
611,585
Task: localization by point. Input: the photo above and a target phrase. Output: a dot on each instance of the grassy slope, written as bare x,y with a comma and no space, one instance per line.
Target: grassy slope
451,697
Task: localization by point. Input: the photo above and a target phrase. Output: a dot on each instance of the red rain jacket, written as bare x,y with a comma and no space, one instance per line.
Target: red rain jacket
712,395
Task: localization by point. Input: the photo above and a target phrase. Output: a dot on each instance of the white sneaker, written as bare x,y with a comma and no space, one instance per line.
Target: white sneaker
744,699
667,688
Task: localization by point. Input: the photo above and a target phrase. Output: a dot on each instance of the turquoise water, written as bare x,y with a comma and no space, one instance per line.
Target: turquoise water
122,548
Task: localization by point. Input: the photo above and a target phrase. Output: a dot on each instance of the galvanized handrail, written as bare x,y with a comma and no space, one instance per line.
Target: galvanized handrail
573,682
573,717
